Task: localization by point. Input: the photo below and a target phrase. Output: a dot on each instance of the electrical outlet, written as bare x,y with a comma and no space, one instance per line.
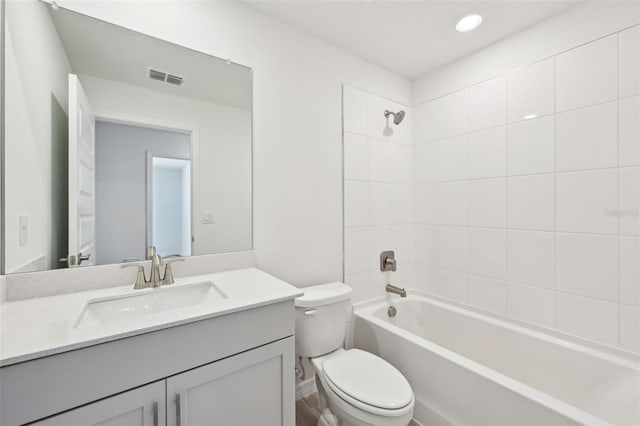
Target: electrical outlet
24,230
207,218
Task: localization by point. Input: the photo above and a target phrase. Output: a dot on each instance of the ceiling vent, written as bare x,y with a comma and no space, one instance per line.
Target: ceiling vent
166,77
174,79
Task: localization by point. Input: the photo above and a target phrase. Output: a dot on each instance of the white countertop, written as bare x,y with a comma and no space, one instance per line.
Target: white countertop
44,326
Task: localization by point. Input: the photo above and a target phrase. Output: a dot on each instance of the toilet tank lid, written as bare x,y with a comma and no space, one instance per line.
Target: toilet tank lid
323,294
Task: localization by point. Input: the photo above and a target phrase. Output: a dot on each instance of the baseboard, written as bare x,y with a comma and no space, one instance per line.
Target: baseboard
305,388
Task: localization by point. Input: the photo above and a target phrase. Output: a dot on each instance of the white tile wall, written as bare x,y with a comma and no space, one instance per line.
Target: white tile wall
629,200
531,146
452,114
629,328
629,131
452,159
587,138
356,157
630,270
587,202
629,62
518,195
488,252
587,265
532,258
488,294
531,202
531,91
531,304
487,104
488,203
354,111
487,153
453,284
535,213
378,192
452,201
424,164
453,248
588,74
591,318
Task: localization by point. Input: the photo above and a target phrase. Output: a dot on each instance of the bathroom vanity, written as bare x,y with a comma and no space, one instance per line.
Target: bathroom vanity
221,352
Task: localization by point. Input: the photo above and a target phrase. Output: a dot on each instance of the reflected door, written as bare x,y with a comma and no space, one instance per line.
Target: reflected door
169,204
82,160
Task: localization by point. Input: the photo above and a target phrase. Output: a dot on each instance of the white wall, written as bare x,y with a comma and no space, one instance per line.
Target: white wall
297,121
36,69
221,157
121,178
377,193
537,219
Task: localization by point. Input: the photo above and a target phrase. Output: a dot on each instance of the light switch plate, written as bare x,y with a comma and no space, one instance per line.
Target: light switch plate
207,218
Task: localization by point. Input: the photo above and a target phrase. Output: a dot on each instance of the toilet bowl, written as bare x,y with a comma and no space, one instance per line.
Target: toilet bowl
363,389
356,388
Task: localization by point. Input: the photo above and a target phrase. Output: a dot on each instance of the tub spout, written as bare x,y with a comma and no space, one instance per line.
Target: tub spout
396,290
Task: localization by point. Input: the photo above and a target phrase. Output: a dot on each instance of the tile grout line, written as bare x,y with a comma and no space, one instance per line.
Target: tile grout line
555,192
506,195
619,200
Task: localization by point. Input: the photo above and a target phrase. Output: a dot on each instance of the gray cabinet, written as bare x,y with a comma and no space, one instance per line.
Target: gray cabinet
144,406
255,387
46,387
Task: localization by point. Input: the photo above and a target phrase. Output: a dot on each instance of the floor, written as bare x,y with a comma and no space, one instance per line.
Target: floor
308,411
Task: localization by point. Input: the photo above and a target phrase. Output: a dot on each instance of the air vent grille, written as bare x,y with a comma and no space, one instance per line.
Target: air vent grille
166,77
157,75
174,79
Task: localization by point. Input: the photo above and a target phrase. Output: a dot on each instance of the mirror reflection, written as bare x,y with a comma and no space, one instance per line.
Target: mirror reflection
116,141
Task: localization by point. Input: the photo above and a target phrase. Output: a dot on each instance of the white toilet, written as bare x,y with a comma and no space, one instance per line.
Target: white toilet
356,387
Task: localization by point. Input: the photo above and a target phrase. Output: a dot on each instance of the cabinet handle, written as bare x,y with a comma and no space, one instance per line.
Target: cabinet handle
155,414
178,414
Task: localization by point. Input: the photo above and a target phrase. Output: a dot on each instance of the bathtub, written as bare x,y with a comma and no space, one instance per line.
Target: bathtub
470,368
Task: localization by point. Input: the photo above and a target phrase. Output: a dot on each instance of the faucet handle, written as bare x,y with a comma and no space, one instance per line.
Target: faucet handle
388,261
141,279
168,272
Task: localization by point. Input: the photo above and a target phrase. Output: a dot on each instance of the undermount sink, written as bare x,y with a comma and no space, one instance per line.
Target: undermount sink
146,302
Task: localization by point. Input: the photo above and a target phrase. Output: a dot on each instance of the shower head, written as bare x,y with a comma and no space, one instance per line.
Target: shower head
397,116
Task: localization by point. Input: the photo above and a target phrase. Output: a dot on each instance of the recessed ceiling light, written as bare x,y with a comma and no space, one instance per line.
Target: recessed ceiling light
469,23
530,116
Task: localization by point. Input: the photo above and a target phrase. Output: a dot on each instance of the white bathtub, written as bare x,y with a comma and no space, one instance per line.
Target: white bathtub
468,368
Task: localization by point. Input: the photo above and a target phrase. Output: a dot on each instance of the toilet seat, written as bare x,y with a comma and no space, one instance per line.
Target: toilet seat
368,382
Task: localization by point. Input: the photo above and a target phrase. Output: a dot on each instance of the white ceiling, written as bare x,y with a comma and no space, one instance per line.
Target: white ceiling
409,38
100,49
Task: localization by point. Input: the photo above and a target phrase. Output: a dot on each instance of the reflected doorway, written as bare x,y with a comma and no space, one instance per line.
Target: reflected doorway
132,211
170,215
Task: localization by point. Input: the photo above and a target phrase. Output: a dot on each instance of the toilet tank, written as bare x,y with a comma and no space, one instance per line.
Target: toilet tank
322,315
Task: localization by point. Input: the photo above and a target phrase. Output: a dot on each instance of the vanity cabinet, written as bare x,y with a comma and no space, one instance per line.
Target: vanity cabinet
144,406
242,390
235,369
246,389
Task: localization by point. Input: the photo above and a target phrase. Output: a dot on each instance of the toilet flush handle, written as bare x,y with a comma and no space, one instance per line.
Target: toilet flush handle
310,312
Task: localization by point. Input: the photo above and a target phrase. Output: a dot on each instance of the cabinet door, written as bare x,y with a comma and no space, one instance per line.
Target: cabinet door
144,406
254,388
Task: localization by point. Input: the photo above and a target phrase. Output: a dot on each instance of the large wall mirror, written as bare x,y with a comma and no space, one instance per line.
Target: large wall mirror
115,141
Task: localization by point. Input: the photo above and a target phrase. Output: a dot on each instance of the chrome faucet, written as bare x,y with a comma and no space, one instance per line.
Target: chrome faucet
156,279
396,290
